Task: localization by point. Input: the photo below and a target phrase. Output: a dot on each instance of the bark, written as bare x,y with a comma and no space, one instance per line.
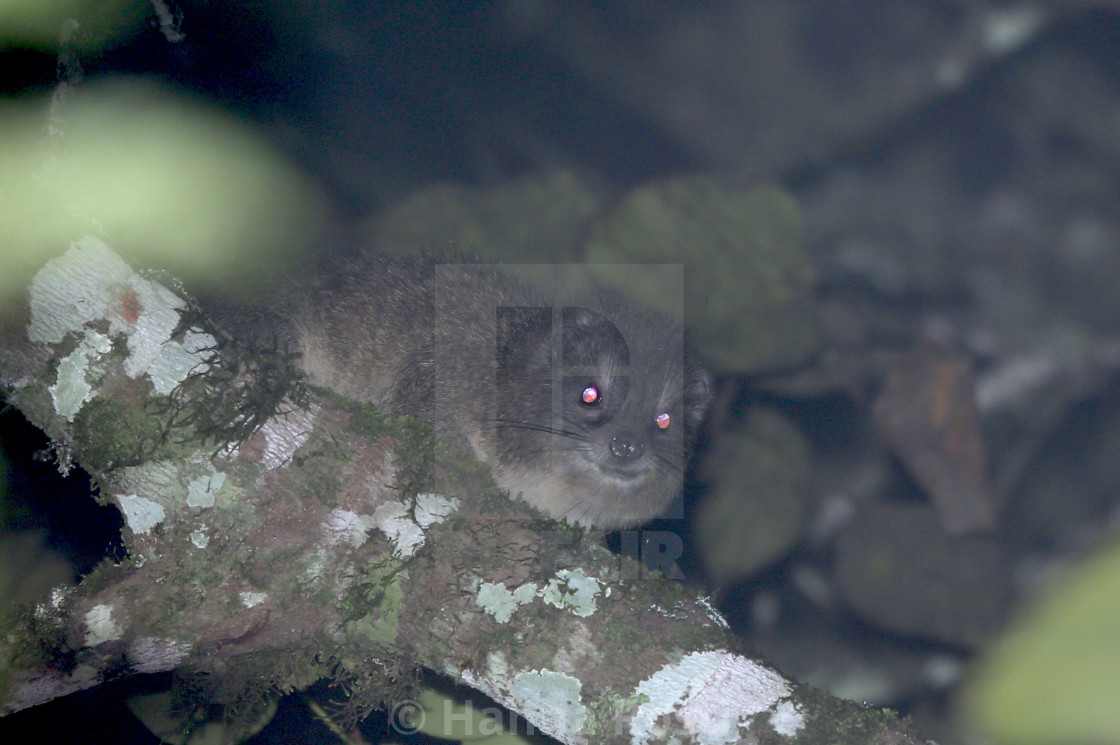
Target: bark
277,536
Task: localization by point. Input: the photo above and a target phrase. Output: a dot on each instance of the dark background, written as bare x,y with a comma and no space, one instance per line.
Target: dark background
957,170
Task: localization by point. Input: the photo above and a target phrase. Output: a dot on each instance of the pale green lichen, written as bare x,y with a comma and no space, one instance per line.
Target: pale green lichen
74,289
405,525
524,593
404,532
201,491
787,719
140,514
552,701
432,509
713,694
501,602
570,590
284,434
151,330
574,590
176,360
250,599
157,478
100,625
172,486
90,283
347,526
72,389
497,664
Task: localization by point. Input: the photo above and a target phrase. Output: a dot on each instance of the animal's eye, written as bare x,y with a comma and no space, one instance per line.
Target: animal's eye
591,395
663,420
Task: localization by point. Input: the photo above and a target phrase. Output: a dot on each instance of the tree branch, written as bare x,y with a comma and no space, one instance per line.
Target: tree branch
334,541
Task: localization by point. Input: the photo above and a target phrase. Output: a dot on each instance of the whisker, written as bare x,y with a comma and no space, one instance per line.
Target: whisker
534,427
666,465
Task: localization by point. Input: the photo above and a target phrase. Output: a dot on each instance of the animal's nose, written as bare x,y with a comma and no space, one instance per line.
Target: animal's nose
626,447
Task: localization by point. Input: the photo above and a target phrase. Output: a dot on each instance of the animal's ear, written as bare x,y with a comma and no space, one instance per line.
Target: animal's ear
697,393
588,335
524,337
582,318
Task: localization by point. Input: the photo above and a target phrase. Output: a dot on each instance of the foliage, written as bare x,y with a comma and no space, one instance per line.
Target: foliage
1055,678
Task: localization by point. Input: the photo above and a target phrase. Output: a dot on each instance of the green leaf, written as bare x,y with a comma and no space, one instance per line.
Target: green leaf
748,282
1055,678
755,506
452,718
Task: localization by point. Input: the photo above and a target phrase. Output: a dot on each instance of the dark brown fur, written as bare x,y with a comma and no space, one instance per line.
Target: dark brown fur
498,367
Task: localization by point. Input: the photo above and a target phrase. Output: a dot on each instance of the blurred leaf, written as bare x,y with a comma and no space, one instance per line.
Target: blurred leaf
748,282
173,185
1055,678
453,718
39,23
29,569
755,505
897,567
926,413
537,217
158,712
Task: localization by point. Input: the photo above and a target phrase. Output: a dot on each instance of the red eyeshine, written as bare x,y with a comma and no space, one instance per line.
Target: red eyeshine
590,395
663,421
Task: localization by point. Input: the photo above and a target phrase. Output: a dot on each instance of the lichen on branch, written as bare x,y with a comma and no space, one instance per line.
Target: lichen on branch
325,539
